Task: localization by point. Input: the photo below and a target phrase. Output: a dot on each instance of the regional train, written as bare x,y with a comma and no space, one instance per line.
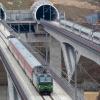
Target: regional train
36,72
81,30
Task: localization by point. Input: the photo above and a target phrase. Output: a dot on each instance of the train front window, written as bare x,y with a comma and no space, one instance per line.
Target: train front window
48,79
42,79
45,78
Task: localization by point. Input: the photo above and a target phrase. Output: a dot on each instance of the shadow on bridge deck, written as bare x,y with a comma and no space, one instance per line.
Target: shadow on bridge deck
3,83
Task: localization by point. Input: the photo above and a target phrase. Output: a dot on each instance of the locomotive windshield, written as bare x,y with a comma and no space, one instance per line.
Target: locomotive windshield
45,78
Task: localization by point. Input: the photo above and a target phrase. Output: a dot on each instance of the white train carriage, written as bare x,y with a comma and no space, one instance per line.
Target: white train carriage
55,23
26,59
85,32
5,31
72,27
96,37
81,30
68,25
78,29
5,39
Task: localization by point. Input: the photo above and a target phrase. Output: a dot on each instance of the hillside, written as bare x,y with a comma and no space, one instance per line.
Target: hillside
25,4
75,10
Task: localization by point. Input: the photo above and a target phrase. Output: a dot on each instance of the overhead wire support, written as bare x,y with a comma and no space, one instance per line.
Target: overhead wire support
50,13
76,63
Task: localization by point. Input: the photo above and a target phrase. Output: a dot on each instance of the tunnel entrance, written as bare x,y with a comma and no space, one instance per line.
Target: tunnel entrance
46,12
2,14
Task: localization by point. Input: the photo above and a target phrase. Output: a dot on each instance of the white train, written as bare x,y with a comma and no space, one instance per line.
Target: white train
81,30
35,71
4,29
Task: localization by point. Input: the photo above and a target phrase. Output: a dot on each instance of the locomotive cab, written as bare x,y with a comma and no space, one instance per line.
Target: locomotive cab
42,80
45,83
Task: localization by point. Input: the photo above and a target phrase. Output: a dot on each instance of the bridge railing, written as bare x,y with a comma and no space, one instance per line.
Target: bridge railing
19,15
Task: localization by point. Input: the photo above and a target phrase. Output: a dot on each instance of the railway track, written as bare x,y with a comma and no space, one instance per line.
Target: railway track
47,97
54,96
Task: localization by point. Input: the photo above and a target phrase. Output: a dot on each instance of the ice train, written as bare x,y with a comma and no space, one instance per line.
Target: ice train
81,30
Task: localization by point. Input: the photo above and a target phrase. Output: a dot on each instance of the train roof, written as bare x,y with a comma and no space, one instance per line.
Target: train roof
5,31
67,22
25,53
77,26
96,34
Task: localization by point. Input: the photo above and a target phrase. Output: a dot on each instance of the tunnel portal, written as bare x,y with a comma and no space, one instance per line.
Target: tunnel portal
2,14
46,12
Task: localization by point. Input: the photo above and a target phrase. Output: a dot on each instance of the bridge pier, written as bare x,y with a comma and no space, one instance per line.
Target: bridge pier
10,88
55,56
16,95
12,92
36,27
70,59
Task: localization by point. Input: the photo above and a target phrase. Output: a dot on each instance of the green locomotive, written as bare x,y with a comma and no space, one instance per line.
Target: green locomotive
43,80
35,71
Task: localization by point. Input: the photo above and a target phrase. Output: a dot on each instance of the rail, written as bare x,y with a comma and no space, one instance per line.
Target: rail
23,93
13,77
19,15
70,35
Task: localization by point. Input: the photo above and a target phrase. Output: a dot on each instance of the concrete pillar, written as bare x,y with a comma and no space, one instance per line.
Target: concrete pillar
19,98
36,27
19,28
69,59
29,27
10,88
16,94
55,56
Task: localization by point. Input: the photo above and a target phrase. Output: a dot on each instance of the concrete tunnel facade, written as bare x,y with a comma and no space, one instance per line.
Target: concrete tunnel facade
44,10
2,12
